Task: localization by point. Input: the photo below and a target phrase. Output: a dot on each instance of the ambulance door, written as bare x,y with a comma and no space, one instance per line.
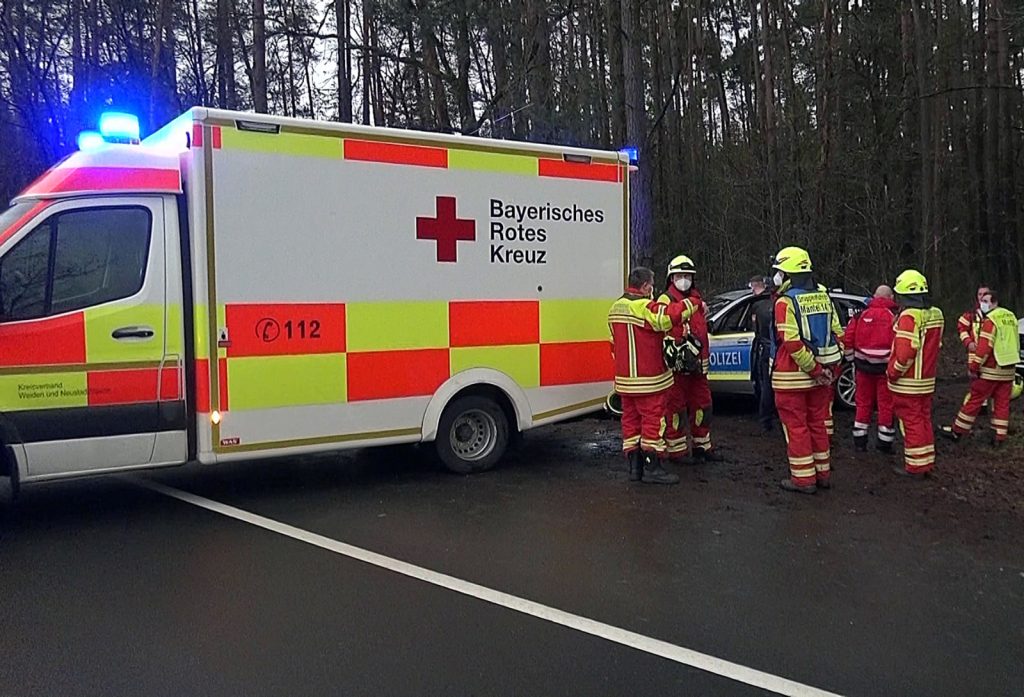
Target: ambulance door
83,329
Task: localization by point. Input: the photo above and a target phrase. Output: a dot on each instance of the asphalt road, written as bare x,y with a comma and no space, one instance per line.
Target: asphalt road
109,588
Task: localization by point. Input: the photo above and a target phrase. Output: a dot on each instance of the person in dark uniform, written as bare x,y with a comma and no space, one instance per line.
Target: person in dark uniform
760,322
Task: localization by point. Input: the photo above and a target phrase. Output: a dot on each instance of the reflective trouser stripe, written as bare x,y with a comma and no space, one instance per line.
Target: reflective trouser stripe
914,413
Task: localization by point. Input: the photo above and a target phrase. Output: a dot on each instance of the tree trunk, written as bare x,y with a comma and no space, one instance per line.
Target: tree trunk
636,133
259,57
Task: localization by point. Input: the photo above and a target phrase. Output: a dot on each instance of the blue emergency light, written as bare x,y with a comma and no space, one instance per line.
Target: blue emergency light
119,127
633,152
90,140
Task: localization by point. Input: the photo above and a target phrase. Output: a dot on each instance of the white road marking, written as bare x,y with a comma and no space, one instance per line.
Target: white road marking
656,647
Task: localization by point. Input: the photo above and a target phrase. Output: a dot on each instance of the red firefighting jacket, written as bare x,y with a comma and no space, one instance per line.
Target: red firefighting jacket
968,326
795,366
637,325
915,351
694,322
870,334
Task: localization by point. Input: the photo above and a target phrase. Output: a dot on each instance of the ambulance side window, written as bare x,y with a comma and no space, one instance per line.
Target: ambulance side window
75,260
23,277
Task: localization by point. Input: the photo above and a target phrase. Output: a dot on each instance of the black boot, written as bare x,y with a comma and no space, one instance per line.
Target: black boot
788,485
860,444
654,473
636,467
707,455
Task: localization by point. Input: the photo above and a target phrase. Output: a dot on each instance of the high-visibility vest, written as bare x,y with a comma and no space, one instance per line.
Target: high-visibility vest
1006,345
814,310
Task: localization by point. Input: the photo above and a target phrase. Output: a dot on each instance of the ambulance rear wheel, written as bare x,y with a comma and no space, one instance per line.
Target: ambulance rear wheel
472,435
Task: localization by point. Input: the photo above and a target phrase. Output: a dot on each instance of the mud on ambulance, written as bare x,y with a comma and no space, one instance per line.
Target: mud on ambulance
239,286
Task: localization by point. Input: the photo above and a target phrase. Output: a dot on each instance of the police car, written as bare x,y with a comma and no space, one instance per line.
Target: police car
730,325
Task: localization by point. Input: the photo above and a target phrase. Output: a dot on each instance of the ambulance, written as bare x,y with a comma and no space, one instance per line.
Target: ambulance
240,286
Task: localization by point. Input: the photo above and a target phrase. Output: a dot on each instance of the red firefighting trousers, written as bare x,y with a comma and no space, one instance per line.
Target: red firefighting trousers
873,392
803,414
981,391
643,423
914,413
688,402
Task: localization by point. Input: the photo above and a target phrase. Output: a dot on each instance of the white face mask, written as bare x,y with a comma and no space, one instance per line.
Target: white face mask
778,279
986,307
684,283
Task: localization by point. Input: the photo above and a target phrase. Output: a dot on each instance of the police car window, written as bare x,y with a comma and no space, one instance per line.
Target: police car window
736,319
846,309
75,260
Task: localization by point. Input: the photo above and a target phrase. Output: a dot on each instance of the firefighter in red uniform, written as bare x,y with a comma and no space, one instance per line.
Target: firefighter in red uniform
638,325
992,369
868,340
968,325
911,371
687,353
808,353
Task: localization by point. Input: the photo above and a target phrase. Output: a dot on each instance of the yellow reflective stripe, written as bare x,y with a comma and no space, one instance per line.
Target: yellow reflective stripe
201,321
801,472
998,374
563,321
100,322
43,391
387,326
521,363
265,382
626,319
492,162
632,352
302,144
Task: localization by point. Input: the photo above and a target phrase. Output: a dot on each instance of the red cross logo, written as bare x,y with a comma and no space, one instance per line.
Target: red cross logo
445,229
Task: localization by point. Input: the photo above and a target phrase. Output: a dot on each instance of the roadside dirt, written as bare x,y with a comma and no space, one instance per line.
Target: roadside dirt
975,495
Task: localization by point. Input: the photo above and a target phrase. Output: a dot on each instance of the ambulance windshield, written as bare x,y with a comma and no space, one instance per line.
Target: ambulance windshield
12,215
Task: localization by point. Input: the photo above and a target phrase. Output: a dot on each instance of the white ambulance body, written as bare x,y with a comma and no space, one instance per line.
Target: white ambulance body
239,286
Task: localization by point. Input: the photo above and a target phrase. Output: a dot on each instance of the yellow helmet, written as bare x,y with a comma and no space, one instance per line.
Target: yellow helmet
792,260
681,264
911,282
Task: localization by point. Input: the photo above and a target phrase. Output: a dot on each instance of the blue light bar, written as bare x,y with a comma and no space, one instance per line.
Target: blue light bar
633,153
119,127
90,140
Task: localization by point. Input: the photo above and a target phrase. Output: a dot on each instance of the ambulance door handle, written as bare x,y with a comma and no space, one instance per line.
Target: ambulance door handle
133,333
743,342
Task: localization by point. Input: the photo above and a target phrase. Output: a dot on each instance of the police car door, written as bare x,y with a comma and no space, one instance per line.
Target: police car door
731,343
86,359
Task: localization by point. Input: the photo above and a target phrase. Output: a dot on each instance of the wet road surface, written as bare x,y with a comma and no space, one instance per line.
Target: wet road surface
109,588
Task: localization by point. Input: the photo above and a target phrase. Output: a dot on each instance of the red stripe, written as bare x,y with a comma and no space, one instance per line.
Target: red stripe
578,170
222,379
494,323
122,386
170,384
197,135
393,374
216,139
60,340
203,385
75,179
279,329
575,363
22,221
396,154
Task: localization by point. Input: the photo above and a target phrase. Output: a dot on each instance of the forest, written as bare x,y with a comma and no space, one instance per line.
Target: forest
879,134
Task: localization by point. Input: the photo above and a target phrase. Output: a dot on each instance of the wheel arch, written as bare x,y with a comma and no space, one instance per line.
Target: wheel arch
479,381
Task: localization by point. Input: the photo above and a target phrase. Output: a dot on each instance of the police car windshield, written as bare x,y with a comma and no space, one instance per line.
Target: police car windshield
719,302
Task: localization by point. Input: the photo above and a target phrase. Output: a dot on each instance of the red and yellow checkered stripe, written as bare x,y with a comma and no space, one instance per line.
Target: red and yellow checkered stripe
390,350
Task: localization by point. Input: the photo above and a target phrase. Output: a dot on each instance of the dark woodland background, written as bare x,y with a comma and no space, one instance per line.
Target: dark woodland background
878,133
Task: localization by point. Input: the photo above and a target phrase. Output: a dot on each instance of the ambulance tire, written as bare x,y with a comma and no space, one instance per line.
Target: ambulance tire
472,435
